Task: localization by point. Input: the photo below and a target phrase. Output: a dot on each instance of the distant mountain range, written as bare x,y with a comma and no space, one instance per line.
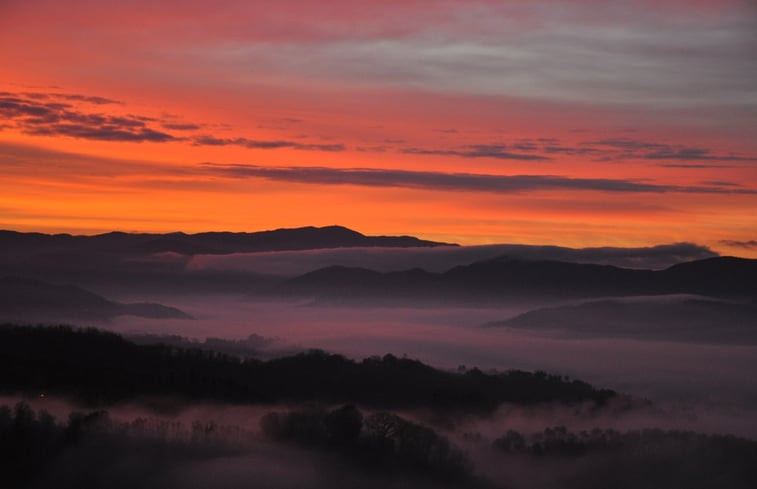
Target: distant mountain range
34,300
123,263
207,243
505,278
685,319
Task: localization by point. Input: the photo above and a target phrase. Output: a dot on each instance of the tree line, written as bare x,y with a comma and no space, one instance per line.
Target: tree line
100,368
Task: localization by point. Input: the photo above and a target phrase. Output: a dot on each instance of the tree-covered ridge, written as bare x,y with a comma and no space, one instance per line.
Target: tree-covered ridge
100,368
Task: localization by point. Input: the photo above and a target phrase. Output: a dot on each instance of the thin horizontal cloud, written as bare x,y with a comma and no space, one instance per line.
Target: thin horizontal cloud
263,144
469,182
181,127
693,154
693,166
478,151
721,183
570,150
69,96
371,149
105,132
607,150
751,244
633,148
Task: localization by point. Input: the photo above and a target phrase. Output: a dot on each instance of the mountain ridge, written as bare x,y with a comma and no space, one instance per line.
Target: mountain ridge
505,277
214,242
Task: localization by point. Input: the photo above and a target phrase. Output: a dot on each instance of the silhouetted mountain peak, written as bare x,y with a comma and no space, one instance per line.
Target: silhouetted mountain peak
335,230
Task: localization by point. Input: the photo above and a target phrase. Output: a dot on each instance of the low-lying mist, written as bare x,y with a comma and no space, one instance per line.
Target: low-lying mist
442,258
710,385
166,443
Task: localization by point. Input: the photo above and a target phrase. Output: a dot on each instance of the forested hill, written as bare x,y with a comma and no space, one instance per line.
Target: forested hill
98,367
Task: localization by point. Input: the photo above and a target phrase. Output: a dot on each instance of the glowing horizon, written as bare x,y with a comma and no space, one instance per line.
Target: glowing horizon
585,124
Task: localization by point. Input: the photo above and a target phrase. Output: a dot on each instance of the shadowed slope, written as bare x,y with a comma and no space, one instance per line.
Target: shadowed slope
33,300
670,319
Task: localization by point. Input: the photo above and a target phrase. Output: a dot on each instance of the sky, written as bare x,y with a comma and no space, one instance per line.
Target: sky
574,123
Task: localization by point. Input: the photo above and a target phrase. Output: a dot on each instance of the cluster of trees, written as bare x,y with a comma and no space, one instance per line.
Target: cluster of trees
381,441
257,346
641,458
34,445
90,450
558,440
98,367
30,440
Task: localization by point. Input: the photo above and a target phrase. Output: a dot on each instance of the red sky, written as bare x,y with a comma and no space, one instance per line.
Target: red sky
578,123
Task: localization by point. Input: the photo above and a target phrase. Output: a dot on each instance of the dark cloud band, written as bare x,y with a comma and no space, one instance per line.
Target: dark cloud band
453,181
751,244
263,144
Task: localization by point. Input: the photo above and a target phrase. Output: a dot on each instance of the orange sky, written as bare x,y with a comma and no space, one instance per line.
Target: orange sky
596,123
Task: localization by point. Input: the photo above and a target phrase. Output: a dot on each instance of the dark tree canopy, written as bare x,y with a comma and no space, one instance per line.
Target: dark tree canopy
98,367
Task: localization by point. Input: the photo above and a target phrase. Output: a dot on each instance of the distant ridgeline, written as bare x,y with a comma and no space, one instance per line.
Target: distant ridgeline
207,243
505,278
98,367
143,263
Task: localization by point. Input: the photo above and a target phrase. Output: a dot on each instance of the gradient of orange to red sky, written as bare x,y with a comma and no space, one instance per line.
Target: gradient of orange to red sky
578,123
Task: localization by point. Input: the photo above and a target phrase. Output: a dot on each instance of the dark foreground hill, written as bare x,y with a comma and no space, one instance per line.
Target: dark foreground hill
100,367
34,300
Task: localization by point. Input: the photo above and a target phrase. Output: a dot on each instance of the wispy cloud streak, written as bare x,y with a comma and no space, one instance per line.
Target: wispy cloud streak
750,244
474,182
263,144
